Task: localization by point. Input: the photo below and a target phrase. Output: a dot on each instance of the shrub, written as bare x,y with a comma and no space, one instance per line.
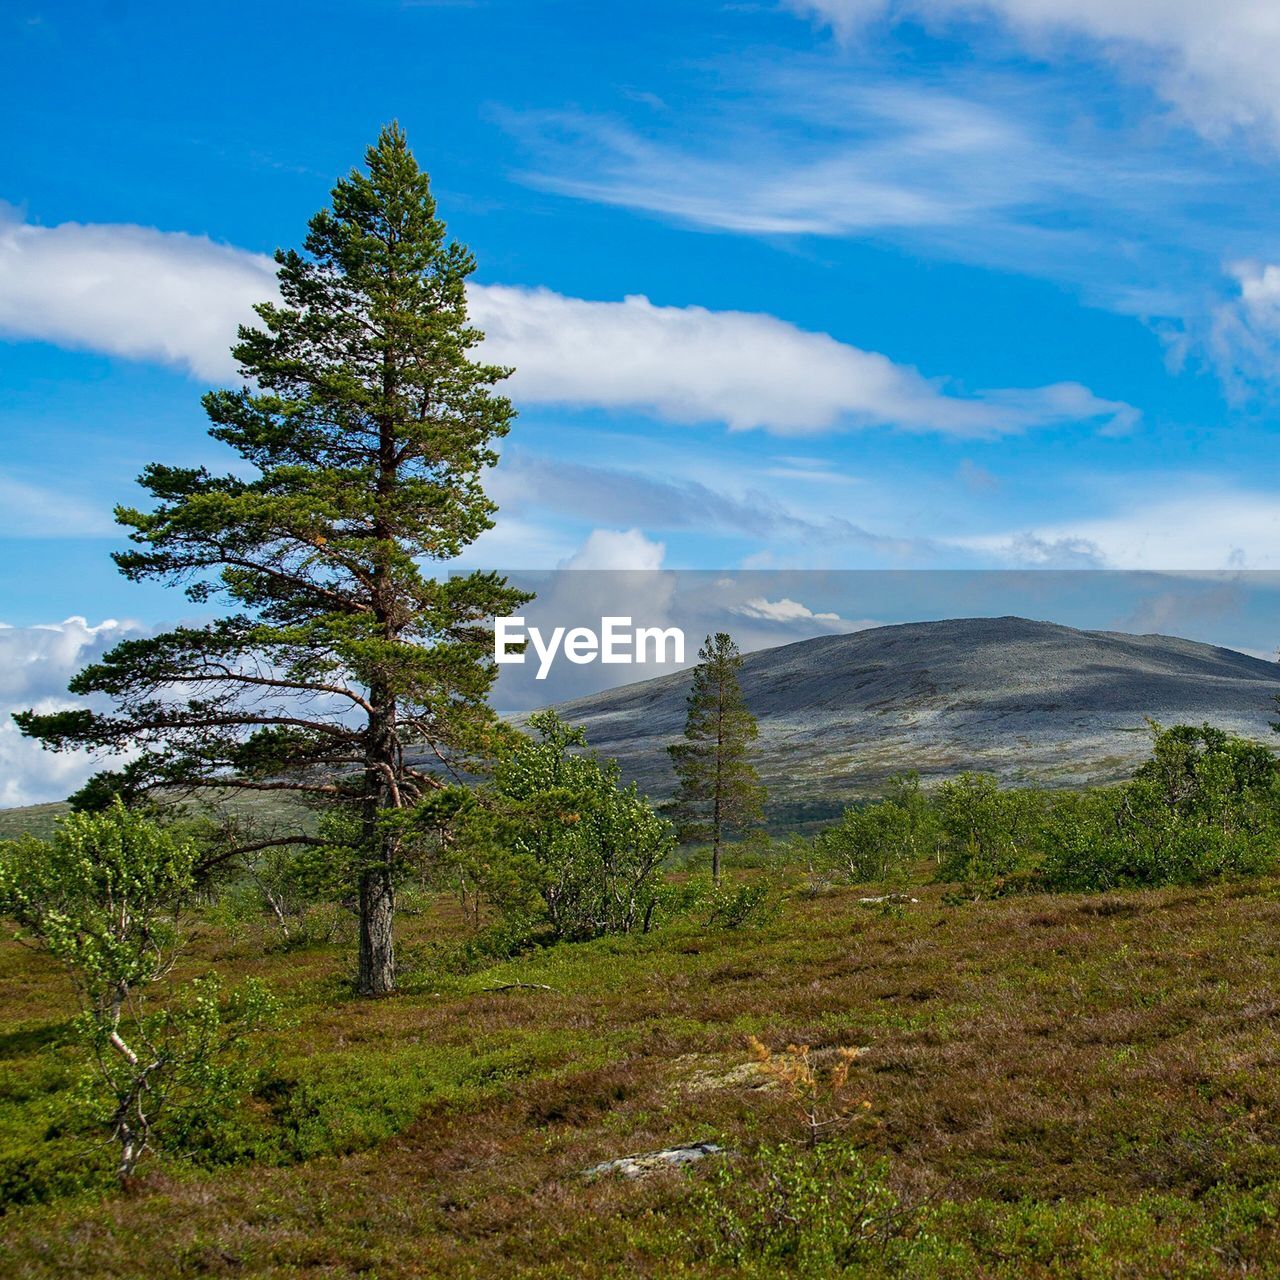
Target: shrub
559,840
1205,806
285,896
820,1091
801,1212
879,842
987,832
105,899
748,903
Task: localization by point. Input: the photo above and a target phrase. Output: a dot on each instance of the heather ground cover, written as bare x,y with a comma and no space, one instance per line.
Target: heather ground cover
1059,1085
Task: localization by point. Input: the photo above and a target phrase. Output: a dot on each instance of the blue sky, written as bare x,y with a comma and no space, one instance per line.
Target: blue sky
927,284
794,284
997,276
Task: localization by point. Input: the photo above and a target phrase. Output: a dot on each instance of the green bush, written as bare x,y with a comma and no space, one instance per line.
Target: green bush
557,841
816,1212
879,842
105,899
748,903
287,896
986,831
1206,806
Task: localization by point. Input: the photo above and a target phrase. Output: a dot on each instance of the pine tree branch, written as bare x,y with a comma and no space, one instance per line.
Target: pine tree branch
221,673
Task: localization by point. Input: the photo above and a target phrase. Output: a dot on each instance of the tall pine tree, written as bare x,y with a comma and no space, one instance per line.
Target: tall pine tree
719,790
365,427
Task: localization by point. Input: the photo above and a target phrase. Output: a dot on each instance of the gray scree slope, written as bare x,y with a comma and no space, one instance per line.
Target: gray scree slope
1029,701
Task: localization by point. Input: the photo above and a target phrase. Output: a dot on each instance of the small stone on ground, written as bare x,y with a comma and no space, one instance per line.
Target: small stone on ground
651,1161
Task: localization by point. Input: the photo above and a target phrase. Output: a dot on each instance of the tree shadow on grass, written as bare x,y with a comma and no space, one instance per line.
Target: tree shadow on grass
28,1040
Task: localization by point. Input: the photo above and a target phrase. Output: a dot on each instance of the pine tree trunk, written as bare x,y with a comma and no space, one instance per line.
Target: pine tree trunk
717,816
376,975
377,972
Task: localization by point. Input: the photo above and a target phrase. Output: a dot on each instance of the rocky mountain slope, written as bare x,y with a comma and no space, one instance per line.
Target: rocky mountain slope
1029,701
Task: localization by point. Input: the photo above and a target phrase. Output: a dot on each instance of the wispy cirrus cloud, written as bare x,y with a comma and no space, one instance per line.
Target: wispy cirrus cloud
973,161
884,157
32,510
174,298
1216,63
833,146
596,493
986,165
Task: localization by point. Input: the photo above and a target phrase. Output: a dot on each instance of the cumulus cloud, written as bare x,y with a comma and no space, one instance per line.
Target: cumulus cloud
36,664
613,573
175,298
617,549
1064,551
1245,331
1214,62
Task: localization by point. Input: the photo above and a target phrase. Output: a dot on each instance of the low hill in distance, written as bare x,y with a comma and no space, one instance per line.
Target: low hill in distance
1032,702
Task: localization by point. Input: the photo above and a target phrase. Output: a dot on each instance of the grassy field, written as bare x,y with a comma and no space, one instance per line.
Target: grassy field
1060,1086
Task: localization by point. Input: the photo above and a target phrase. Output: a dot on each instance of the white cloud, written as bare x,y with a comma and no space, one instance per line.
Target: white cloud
616,573
617,549
1215,62
36,664
864,157
784,610
1244,339
746,369
969,162
1200,529
1053,551
175,298
129,291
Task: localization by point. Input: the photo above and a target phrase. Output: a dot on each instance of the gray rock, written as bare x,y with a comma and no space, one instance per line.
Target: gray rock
652,1161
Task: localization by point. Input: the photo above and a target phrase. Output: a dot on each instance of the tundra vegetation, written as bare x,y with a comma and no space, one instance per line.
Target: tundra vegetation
967,1031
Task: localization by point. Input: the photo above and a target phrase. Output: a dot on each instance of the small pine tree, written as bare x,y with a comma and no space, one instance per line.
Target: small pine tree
719,789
